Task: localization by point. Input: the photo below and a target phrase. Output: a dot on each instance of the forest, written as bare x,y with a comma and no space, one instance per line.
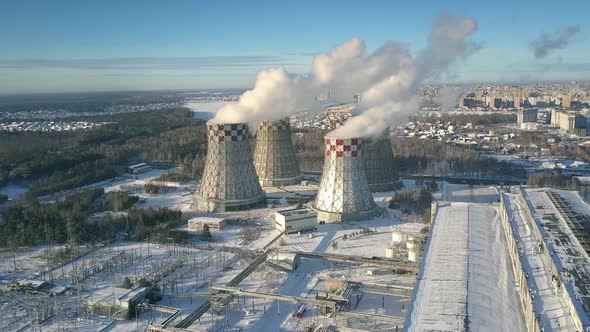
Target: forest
56,161
411,154
72,221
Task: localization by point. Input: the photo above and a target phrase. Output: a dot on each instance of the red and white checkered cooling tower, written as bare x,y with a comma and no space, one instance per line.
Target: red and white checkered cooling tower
229,180
274,156
344,192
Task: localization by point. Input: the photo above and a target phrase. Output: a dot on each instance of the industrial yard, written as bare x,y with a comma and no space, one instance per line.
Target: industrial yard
262,246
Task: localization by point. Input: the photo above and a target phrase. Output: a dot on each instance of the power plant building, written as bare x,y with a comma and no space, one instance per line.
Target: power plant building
344,192
295,220
274,156
381,171
229,180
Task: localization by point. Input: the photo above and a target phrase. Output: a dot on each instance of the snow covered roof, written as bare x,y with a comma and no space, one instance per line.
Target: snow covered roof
465,275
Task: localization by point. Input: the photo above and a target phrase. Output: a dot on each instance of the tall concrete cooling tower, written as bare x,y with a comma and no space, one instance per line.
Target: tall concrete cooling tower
382,173
229,179
274,156
344,192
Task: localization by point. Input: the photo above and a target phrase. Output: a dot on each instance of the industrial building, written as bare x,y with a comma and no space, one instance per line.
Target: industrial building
274,156
214,224
229,180
139,168
569,122
296,220
115,297
344,192
382,173
527,115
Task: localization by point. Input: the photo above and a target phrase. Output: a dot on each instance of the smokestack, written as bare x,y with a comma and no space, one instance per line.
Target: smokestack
229,181
382,173
344,191
274,156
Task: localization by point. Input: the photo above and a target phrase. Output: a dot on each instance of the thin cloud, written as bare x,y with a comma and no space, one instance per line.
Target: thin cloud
549,42
147,63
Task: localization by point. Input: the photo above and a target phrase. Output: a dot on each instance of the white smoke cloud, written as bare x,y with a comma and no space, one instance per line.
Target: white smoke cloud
387,79
549,42
390,101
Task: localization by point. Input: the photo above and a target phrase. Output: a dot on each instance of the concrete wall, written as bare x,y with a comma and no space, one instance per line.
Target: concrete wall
526,301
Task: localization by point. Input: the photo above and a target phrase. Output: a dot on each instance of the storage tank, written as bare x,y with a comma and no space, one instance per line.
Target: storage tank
399,237
344,192
274,156
413,255
229,180
382,172
391,252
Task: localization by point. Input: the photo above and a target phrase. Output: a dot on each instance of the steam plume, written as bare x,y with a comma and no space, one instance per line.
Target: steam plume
387,79
549,42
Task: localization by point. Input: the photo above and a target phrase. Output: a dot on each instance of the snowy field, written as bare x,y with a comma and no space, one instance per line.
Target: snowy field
466,274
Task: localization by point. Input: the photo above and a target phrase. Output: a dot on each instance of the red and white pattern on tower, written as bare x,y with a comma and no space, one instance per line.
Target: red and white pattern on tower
227,132
341,148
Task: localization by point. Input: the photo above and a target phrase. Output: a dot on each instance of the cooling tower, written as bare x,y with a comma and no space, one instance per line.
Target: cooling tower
380,168
274,156
229,180
344,192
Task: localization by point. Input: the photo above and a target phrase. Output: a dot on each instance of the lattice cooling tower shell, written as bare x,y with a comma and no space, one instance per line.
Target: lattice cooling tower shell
229,180
382,173
274,156
344,192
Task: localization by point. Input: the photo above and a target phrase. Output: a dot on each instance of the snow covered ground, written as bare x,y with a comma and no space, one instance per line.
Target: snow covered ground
186,288
466,278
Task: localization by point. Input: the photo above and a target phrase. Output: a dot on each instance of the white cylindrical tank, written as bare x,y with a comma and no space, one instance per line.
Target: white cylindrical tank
399,237
412,255
344,192
229,180
391,252
274,156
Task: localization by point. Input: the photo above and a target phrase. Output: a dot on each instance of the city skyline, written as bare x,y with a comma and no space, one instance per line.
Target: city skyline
66,46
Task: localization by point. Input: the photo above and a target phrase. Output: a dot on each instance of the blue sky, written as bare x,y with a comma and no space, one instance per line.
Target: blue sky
55,46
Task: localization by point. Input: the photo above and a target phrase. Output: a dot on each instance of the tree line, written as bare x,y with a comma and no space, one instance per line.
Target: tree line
73,220
63,160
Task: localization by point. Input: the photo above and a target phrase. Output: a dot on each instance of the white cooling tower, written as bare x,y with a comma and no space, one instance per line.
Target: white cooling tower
274,156
344,192
229,180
